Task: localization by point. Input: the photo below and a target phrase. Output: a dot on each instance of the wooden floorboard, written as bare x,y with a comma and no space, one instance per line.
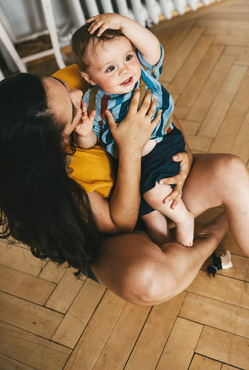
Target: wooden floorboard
49,319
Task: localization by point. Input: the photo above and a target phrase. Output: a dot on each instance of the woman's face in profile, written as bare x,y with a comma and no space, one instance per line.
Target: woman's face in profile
66,104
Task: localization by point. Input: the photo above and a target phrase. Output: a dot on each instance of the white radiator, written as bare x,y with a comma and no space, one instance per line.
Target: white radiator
146,12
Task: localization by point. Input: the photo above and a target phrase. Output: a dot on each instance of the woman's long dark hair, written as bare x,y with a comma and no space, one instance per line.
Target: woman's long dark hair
40,205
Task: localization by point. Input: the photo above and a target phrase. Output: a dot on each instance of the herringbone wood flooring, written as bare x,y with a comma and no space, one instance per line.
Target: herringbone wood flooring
51,320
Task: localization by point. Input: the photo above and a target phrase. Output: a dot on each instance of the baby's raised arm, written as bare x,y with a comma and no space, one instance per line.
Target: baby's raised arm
141,37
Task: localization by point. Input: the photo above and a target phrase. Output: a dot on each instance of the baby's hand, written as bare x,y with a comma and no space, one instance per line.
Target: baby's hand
85,126
105,21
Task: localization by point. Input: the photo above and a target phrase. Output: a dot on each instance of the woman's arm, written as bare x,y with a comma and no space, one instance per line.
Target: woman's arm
186,160
143,39
120,213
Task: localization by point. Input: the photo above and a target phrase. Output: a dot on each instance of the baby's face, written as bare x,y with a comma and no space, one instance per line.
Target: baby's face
114,65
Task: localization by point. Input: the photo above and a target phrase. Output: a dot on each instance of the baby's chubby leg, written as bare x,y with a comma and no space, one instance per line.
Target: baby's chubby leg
157,228
183,219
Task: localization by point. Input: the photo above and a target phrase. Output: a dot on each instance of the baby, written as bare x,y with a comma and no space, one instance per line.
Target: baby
116,55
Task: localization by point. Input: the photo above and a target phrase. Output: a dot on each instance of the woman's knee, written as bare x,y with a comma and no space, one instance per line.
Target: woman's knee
231,162
135,269
230,170
149,284
237,166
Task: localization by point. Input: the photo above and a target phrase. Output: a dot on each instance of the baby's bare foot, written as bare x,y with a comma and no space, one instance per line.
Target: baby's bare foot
185,231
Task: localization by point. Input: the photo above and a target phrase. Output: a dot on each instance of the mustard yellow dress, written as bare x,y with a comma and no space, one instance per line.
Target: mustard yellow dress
92,168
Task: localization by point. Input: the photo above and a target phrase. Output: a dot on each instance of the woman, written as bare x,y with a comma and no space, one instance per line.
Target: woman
46,209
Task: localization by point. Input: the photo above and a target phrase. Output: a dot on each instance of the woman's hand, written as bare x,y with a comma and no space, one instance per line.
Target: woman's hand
185,160
134,131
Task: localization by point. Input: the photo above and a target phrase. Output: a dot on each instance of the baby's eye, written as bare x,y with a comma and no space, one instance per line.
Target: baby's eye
129,57
110,69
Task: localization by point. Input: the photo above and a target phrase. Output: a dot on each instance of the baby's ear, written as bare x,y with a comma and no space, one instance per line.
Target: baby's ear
87,78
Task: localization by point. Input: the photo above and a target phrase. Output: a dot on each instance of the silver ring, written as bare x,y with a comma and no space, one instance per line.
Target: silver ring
150,115
181,191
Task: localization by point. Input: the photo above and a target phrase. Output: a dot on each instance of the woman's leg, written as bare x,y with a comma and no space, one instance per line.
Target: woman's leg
139,271
221,179
157,227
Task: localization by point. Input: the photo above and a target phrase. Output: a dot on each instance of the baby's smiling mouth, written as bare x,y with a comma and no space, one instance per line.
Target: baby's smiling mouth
128,81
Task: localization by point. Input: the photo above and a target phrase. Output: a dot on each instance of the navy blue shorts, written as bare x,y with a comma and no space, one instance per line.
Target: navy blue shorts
158,164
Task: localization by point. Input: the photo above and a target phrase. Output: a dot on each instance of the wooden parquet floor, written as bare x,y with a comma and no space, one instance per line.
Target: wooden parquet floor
51,320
